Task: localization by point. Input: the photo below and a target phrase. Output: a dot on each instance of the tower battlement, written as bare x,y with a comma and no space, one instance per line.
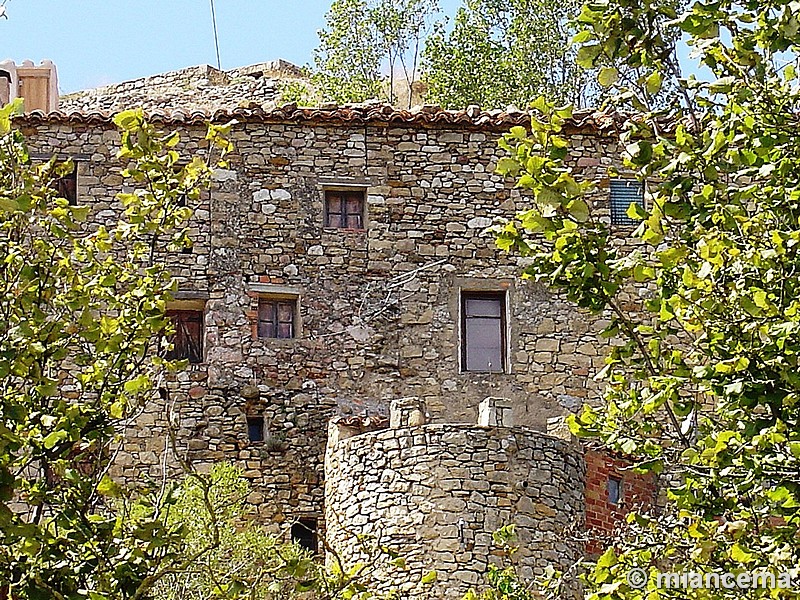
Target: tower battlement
435,493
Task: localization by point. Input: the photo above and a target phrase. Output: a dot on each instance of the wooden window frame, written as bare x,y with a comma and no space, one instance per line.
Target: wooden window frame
501,297
276,322
343,214
194,355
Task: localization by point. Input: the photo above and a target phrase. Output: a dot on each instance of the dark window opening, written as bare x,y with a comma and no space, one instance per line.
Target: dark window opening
483,327
614,490
255,428
276,318
625,192
85,461
187,341
304,534
344,210
67,186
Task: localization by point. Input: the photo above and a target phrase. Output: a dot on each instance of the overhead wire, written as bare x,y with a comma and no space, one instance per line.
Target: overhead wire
216,38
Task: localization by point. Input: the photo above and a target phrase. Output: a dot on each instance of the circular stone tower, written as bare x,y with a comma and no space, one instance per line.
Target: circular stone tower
435,493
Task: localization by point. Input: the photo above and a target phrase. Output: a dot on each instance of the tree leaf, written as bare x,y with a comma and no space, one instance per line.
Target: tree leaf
608,76
429,578
653,83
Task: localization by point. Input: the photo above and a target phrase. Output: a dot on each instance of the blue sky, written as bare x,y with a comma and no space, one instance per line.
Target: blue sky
94,42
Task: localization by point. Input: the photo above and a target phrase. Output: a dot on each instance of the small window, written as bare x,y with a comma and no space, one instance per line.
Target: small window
276,318
344,210
483,327
255,428
614,490
625,192
187,341
304,534
67,186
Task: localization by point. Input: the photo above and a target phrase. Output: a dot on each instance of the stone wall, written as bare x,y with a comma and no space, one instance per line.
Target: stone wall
198,88
379,307
436,493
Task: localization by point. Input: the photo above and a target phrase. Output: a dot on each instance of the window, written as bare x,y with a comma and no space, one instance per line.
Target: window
255,428
276,318
625,192
483,330
344,210
67,186
84,460
304,534
187,341
614,490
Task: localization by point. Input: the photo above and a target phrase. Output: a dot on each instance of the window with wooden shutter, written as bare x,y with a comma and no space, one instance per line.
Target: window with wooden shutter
276,318
187,341
344,209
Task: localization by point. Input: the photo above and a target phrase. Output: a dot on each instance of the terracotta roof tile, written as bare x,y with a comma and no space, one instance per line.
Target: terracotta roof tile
203,93
378,114
363,422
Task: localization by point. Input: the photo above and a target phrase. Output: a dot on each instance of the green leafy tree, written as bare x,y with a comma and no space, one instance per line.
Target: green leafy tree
298,91
703,382
244,560
506,52
81,310
239,558
348,59
366,44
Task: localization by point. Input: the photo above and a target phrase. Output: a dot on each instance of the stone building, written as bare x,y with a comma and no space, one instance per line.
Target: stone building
341,263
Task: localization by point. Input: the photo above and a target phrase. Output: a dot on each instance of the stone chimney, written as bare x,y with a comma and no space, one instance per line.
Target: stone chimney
407,412
37,84
496,412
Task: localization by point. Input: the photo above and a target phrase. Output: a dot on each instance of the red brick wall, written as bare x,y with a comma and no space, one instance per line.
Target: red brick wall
601,515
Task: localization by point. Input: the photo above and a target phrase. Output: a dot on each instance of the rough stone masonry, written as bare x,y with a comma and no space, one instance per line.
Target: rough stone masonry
377,309
439,491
